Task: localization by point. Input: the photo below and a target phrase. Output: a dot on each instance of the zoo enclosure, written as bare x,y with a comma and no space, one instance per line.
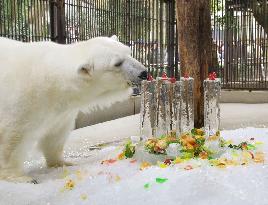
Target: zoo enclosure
240,33
147,26
239,29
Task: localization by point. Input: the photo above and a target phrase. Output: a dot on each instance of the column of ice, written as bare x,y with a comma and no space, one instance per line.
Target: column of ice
212,89
187,105
148,109
175,93
163,126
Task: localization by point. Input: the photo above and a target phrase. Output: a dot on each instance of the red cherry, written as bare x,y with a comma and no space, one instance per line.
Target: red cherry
168,162
173,80
164,75
252,155
186,75
212,76
150,78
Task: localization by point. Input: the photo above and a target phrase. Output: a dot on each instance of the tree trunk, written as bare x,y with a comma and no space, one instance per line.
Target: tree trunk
195,47
259,9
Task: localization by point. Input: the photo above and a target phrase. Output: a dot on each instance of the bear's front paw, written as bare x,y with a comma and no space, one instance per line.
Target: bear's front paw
60,164
19,179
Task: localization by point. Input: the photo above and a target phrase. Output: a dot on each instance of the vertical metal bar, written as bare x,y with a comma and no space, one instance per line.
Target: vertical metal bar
37,12
67,20
43,10
118,21
97,17
90,20
255,59
134,36
226,67
61,22
33,31
161,32
177,71
142,30
141,34
13,7
19,20
1,17
258,56
52,20
153,42
4,33
140,19
102,22
8,20
148,37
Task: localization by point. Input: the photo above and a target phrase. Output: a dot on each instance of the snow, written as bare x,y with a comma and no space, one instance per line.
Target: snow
122,182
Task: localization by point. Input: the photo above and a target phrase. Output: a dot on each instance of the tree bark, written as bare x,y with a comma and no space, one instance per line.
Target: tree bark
259,9
195,47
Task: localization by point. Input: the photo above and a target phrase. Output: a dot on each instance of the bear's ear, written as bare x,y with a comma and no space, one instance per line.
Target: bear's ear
85,71
114,37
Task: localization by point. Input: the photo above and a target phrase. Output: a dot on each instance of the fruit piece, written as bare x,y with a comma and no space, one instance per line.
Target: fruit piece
212,76
69,184
259,157
200,132
188,167
188,141
146,186
144,165
178,160
164,76
121,156
173,80
186,75
150,78
161,180
203,155
109,161
168,161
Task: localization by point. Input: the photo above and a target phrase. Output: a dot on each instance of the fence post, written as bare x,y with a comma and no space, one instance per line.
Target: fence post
61,31
52,12
57,21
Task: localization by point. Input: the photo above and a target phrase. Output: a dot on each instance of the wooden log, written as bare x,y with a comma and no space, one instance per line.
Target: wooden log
195,47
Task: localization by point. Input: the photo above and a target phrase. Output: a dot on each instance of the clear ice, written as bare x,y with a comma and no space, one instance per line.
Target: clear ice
160,108
148,109
163,110
176,90
187,105
212,89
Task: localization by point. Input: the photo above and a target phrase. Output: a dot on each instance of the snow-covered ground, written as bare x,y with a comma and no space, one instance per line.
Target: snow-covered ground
122,182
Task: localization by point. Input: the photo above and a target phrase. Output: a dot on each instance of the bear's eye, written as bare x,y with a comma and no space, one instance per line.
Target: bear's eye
83,70
119,63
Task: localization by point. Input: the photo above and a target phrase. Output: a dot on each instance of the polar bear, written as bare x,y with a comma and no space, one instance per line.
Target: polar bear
44,84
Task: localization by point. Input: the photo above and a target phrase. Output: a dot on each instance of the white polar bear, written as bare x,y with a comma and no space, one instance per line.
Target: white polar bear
42,86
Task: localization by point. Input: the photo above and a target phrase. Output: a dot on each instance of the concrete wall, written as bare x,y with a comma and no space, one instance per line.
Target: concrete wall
253,97
132,106
117,110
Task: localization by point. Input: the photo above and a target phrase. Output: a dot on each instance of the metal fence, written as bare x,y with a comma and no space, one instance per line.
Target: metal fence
147,26
25,20
240,32
239,29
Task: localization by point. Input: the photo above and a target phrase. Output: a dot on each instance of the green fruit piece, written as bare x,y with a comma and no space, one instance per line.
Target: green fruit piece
161,180
251,147
146,186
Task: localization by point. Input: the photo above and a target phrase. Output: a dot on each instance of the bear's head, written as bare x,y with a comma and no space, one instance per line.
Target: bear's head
109,70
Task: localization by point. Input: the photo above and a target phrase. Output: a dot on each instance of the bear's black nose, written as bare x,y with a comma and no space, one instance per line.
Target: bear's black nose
143,75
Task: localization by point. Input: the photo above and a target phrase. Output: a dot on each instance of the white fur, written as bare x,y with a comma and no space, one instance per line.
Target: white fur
42,86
